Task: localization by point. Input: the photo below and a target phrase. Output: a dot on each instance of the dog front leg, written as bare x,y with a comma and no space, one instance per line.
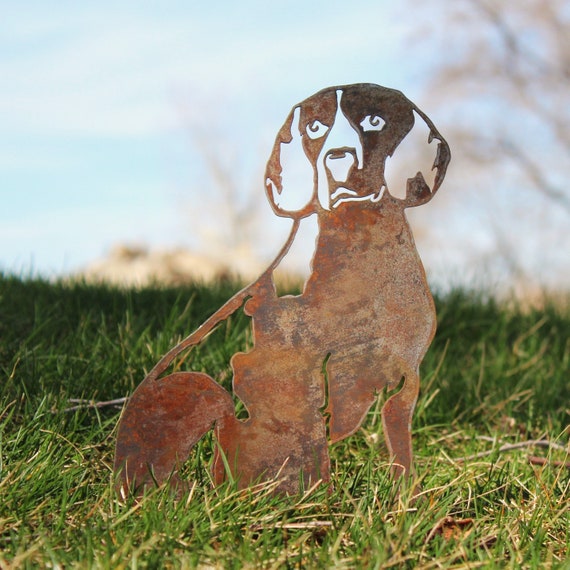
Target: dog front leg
397,422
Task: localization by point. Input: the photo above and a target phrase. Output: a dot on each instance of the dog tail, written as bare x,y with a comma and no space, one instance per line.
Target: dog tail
161,423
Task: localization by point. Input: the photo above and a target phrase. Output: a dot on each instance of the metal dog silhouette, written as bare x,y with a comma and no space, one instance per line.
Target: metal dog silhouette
362,324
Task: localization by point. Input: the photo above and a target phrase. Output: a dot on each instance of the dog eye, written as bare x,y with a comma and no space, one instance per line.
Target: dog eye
372,123
316,129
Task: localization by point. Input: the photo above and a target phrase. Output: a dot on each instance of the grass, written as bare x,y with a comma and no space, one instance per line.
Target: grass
494,375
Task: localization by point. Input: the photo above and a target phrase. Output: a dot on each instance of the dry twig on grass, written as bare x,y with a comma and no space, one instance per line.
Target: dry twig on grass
89,404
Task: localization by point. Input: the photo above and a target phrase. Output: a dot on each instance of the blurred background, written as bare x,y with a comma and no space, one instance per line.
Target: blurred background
134,136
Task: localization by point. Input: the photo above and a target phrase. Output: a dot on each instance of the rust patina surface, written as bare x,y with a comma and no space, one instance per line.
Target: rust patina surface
362,324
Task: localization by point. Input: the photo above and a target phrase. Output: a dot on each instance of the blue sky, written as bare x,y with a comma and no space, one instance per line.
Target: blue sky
108,115
97,101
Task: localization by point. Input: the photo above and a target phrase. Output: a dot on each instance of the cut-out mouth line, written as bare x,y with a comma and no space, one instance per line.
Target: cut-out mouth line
342,195
342,190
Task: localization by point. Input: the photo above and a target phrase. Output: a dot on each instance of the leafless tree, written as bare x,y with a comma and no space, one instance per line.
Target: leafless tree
221,200
518,54
501,74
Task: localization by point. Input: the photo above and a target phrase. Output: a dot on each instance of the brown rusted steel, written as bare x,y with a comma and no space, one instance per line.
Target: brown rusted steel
362,324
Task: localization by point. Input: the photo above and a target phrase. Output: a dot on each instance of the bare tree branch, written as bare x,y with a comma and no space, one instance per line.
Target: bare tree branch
535,174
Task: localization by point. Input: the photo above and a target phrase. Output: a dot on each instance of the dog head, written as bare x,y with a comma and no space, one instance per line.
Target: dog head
344,137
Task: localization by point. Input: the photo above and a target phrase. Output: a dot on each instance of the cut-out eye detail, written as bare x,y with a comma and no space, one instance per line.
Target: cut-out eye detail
316,129
372,123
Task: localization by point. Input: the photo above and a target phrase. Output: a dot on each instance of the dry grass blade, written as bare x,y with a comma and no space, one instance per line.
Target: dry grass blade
512,447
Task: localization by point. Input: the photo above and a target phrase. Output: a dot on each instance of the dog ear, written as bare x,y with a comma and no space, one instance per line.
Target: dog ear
289,176
417,167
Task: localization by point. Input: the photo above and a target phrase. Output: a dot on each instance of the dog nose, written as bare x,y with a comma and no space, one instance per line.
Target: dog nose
339,161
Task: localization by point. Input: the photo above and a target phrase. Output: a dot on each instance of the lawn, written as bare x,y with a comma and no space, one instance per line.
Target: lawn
490,435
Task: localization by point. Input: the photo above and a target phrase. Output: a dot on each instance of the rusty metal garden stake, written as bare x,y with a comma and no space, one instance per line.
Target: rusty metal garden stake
362,324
